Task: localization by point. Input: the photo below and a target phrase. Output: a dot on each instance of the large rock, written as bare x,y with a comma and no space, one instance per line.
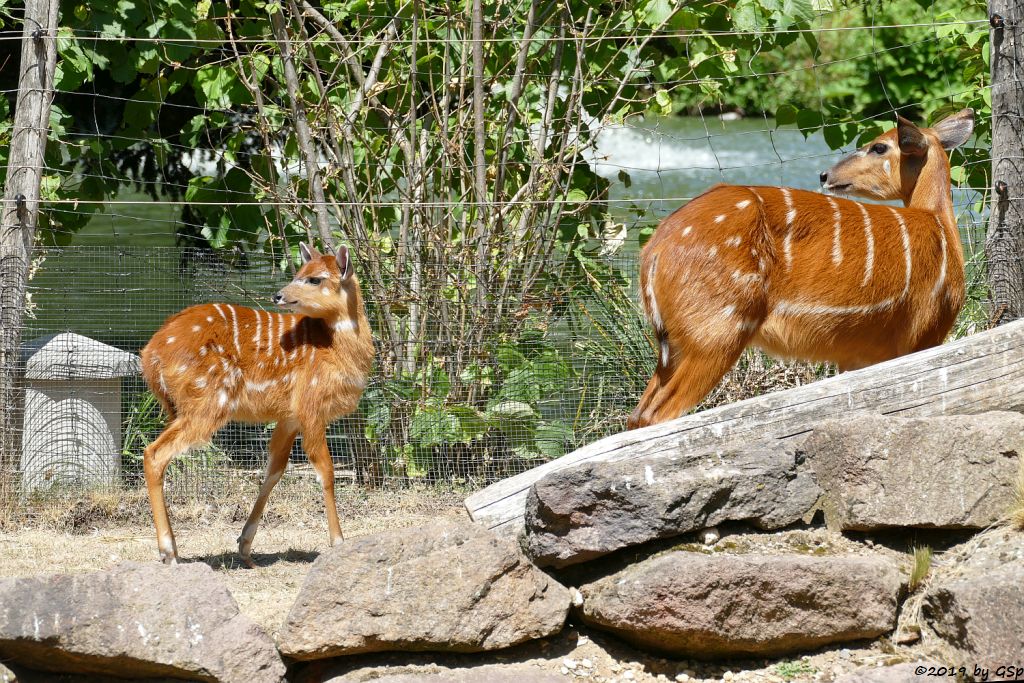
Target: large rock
954,472
584,512
909,672
690,604
445,586
975,603
136,620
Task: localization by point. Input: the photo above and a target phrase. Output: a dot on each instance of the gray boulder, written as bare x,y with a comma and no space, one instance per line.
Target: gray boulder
975,603
707,606
448,586
908,672
953,472
584,512
136,620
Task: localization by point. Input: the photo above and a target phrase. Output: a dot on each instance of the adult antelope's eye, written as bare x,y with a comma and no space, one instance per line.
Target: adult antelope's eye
879,148
313,280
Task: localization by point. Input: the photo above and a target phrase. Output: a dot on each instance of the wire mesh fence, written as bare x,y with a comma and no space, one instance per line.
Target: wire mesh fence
494,176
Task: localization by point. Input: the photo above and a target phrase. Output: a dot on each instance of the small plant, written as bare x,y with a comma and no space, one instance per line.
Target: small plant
795,668
922,565
1017,510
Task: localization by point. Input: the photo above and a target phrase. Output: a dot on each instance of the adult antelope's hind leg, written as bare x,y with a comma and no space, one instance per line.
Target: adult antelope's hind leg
692,372
279,449
314,441
180,435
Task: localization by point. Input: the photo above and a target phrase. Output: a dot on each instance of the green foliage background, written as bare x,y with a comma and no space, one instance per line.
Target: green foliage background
468,269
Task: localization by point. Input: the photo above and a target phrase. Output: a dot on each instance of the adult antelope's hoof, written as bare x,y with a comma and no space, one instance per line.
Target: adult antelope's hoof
247,561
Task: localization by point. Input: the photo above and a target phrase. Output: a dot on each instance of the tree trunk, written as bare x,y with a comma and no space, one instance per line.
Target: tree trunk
1004,243
971,375
20,217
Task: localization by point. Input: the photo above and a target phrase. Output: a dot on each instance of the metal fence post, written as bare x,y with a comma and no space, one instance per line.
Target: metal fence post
20,216
1004,243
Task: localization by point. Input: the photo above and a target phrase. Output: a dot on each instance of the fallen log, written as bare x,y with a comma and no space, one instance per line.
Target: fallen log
971,375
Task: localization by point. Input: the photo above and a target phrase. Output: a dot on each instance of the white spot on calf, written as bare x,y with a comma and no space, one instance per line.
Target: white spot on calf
170,340
346,325
222,398
886,166
744,204
209,318
196,328
686,230
201,382
734,241
325,291
719,218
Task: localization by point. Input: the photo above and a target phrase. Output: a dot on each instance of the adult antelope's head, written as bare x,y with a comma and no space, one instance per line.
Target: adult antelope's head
889,166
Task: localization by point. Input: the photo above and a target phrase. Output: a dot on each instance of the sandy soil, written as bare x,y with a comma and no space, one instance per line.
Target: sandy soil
89,535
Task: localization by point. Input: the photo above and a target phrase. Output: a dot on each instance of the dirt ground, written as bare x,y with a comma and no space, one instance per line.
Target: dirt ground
99,532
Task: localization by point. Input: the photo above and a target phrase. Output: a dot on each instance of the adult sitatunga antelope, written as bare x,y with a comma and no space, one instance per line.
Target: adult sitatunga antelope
805,275
213,363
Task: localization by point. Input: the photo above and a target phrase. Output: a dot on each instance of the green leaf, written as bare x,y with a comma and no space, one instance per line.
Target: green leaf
808,120
785,115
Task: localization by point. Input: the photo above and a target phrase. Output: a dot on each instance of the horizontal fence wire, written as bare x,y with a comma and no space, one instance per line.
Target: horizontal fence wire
502,290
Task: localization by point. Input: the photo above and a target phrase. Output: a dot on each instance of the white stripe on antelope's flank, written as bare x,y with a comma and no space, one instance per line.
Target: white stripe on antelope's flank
869,237
280,333
270,332
234,328
804,308
651,301
837,244
221,311
787,197
907,256
664,353
742,205
259,325
787,242
941,281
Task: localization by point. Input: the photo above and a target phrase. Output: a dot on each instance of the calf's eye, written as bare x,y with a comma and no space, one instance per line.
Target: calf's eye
313,280
879,148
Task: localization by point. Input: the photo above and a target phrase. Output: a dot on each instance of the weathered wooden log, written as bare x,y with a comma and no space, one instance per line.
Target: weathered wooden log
971,375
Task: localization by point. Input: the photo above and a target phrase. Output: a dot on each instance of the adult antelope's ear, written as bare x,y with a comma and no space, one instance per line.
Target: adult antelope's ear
307,253
344,263
954,130
911,140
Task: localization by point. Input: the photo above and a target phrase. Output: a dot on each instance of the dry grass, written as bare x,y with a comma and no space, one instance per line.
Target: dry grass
97,531
756,374
922,565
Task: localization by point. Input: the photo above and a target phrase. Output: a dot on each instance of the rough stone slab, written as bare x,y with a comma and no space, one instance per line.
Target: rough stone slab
689,604
478,674
585,512
447,586
975,605
954,472
897,673
135,620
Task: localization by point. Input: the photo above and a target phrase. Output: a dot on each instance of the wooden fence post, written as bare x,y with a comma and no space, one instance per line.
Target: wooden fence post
1004,243
20,216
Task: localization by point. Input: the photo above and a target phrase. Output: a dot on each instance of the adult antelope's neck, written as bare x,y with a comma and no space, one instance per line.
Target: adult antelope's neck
933,191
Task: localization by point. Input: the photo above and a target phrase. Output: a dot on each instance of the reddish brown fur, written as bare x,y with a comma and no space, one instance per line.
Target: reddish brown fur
213,363
759,266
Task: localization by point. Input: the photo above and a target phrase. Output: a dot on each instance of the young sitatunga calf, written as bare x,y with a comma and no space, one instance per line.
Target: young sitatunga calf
804,275
213,363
